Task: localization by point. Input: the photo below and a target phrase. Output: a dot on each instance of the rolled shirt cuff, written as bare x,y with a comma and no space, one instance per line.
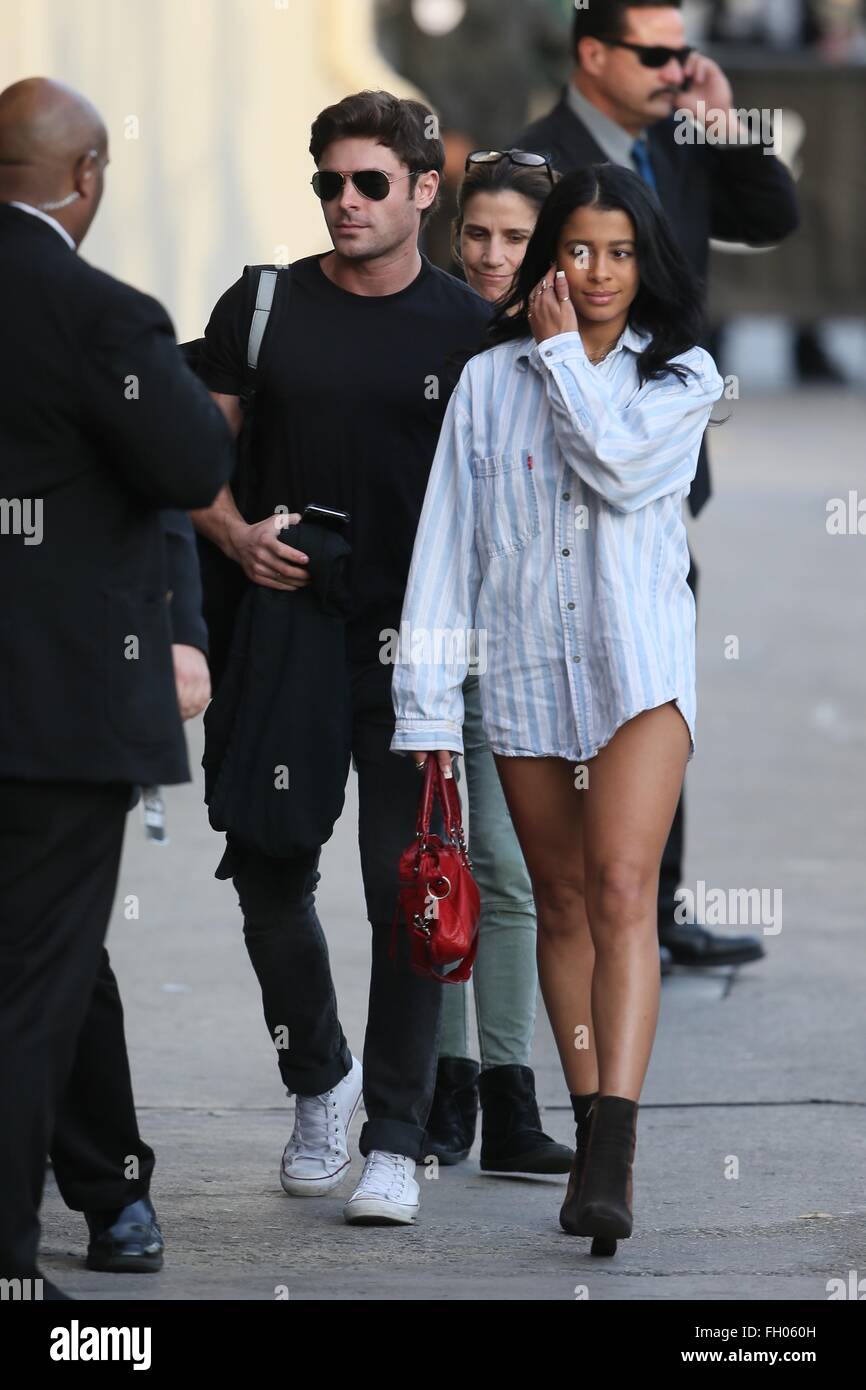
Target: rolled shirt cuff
426,736
557,349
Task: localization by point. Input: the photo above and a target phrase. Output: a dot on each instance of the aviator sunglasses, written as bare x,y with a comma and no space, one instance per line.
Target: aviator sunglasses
374,184
652,56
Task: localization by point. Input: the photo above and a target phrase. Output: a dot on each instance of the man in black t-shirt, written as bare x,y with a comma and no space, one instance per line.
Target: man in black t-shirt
355,371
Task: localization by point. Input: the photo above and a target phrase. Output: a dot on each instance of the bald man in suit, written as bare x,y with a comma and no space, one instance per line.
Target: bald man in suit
102,427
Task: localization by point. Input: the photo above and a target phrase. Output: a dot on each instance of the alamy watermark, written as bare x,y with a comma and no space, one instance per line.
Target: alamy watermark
22,516
21,1290
730,907
846,517
438,646
82,1343
737,126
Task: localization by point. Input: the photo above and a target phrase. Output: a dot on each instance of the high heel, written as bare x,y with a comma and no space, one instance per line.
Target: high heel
601,1245
582,1107
604,1201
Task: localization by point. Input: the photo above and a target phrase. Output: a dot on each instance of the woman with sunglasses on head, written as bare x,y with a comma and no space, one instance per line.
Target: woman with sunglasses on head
497,207
553,522
498,204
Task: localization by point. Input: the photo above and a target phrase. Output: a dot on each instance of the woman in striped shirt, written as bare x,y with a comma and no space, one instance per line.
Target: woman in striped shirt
552,540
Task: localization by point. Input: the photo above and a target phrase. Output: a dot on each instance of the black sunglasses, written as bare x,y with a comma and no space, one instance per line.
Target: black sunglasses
652,56
370,183
521,157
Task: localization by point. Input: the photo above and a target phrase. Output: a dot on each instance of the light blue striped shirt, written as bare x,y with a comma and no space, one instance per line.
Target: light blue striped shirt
552,532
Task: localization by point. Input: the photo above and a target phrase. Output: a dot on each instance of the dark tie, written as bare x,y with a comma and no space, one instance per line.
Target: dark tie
641,156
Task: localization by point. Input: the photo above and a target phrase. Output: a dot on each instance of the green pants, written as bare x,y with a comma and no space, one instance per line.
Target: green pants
504,977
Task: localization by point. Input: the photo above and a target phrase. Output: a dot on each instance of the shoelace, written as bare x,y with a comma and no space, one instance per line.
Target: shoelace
383,1172
317,1125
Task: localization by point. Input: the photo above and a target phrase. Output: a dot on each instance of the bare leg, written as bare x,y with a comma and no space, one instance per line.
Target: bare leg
593,857
634,785
547,813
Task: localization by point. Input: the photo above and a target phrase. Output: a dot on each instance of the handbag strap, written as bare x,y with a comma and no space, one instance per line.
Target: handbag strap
449,800
425,805
444,788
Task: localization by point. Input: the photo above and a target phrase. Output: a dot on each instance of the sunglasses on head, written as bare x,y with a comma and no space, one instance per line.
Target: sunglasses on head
652,56
522,157
370,183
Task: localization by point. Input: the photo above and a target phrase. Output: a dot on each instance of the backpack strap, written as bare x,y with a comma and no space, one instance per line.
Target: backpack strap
265,290
261,286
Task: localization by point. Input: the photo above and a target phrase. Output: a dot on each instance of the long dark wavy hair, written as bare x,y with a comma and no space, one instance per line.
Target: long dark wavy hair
669,300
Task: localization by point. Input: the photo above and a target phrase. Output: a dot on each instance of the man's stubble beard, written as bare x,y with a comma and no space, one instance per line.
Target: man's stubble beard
384,245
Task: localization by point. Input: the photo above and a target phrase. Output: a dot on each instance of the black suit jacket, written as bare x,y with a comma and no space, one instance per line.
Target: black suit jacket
731,194
102,425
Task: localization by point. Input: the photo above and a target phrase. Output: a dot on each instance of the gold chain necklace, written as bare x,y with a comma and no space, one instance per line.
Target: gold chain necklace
600,356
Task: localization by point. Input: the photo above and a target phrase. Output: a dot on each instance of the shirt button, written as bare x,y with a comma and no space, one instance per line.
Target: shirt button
566,497
571,605
566,552
577,658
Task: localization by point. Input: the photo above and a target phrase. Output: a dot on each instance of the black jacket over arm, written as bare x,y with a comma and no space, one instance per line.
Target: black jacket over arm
101,423
736,193
184,581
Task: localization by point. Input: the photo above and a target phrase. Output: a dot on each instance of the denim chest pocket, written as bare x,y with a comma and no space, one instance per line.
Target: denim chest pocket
506,502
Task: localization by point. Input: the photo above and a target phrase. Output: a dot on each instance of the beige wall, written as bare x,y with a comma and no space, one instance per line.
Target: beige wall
223,93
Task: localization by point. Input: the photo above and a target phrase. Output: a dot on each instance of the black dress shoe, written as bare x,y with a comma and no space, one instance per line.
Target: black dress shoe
693,945
454,1112
512,1140
127,1241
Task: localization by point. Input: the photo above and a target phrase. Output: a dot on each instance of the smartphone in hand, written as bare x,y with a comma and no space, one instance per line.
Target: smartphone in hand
329,517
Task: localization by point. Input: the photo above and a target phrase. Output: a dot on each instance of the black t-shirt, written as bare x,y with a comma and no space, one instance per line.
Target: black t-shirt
350,394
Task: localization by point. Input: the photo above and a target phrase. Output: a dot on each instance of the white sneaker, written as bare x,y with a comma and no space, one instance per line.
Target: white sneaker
317,1155
387,1194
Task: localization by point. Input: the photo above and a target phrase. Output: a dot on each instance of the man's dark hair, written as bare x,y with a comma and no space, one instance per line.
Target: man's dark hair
606,19
407,127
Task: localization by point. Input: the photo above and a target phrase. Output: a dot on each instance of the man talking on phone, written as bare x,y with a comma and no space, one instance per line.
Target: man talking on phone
352,382
637,97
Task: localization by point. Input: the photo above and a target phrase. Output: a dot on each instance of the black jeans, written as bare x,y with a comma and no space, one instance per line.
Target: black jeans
289,952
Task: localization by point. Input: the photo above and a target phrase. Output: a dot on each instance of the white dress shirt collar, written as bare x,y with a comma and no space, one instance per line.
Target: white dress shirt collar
52,221
615,142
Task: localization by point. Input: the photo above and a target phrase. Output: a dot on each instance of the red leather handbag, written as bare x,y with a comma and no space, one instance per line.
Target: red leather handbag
438,895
